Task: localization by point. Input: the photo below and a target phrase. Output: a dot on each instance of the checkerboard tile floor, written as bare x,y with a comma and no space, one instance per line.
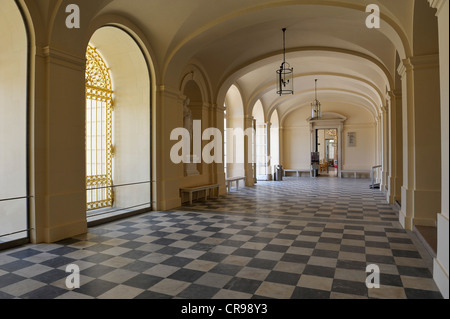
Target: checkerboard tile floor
301,238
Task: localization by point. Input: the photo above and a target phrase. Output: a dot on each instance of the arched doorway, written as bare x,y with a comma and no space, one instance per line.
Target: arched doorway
14,192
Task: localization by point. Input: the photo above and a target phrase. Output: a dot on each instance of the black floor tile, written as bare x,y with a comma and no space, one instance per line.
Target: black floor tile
45,292
198,292
143,281
350,287
414,271
283,278
187,275
262,263
10,279
308,293
25,253
95,287
320,271
51,276
422,294
243,285
177,261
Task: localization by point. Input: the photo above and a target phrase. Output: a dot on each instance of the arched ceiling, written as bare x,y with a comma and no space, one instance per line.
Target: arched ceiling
240,42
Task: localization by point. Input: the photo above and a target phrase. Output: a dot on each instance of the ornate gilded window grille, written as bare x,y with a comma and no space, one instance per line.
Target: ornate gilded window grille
99,148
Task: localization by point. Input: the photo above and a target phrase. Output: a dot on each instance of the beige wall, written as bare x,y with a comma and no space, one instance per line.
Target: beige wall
441,263
297,139
363,155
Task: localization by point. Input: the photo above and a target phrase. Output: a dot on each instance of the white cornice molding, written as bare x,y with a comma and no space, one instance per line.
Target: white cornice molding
169,91
425,61
404,66
437,4
418,62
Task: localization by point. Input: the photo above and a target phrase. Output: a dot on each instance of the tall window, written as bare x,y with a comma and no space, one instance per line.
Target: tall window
261,149
99,147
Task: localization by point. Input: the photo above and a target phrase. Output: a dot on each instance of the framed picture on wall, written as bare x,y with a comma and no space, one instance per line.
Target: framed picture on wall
351,139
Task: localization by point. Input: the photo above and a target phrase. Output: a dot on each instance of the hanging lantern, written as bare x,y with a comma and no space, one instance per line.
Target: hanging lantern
316,109
285,75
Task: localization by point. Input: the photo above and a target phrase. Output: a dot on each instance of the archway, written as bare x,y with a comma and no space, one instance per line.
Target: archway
235,142
130,127
14,212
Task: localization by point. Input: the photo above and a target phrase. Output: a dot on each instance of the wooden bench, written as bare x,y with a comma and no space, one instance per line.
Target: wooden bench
236,179
297,171
197,189
354,172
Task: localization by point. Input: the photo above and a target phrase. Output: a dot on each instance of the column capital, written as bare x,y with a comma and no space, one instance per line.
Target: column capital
61,57
393,94
404,66
170,91
424,61
437,4
418,62
218,107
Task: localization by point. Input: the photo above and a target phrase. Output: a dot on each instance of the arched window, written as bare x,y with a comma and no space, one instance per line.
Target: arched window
260,142
99,147
14,191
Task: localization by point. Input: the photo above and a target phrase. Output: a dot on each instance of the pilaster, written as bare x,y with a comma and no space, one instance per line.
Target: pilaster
421,190
395,178
58,165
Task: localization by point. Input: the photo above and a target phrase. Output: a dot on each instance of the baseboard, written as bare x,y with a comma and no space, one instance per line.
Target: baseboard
441,278
428,243
119,216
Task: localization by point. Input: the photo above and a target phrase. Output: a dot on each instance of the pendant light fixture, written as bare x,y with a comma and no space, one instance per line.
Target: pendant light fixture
316,109
285,75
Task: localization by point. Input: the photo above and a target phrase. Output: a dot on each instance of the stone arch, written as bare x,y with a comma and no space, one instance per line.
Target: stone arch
14,128
132,105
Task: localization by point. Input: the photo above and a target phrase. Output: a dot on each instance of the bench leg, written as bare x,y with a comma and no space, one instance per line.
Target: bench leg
190,198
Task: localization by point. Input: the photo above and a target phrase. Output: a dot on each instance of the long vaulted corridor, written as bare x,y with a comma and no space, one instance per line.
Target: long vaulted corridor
297,239
117,117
